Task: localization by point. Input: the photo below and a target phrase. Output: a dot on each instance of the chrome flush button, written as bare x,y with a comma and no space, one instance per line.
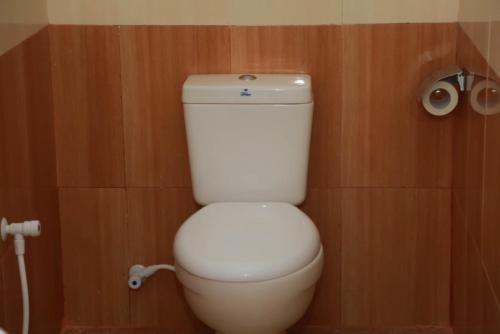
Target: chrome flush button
247,77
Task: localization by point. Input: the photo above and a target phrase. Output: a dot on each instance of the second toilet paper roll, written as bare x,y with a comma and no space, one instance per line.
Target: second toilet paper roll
441,98
482,99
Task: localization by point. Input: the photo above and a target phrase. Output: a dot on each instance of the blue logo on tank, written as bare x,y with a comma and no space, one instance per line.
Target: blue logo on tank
245,92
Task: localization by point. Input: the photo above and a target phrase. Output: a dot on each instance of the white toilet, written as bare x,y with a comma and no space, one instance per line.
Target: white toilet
249,260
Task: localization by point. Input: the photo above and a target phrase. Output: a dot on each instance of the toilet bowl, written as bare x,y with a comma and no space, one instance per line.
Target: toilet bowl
248,268
249,259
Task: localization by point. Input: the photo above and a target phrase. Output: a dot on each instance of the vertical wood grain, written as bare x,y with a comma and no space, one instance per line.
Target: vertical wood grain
95,256
385,248
475,279
28,184
323,206
213,49
14,145
395,257
155,63
387,138
154,216
87,105
40,126
491,193
324,64
27,148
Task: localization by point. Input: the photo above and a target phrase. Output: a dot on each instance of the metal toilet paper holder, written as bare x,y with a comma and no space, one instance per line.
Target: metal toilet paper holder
451,73
458,80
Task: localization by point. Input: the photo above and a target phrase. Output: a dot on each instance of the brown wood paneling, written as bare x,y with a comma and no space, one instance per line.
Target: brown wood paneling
491,187
489,229
26,122
40,126
95,256
387,138
213,49
433,214
154,215
324,64
323,207
14,143
155,63
458,278
28,185
385,267
87,105
475,278
11,297
395,257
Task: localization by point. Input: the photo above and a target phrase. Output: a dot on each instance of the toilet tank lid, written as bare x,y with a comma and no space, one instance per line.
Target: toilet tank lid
248,89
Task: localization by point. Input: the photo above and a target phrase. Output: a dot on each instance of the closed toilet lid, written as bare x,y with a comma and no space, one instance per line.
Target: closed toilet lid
246,242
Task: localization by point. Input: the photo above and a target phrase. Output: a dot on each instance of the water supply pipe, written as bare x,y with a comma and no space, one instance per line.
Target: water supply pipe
19,231
138,273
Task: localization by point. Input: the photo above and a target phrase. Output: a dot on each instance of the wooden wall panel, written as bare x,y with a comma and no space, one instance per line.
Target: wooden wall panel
40,126
11,297
154,215
325,65
475,278
95,260
323,206
387,139
395,257
490,227
379,139
87,105
14,165
155,63
26,118
28,185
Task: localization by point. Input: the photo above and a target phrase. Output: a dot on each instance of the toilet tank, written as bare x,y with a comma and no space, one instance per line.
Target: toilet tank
248,136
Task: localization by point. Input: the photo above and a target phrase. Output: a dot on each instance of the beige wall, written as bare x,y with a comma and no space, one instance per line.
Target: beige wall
193,12
480,19
399,11
254,12
19,19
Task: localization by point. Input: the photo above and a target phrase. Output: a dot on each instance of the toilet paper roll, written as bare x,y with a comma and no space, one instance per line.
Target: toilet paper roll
484,102
441,98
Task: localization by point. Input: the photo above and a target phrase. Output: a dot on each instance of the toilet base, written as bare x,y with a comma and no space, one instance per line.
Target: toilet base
262,307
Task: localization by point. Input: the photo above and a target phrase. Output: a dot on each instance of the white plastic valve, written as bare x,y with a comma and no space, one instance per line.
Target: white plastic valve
138,273
136,276
31,228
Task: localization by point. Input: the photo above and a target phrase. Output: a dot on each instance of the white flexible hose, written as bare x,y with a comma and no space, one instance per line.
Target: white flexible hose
24,287
154,268
31,228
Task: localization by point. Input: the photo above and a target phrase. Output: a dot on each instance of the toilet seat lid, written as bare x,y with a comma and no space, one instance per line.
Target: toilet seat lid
246,242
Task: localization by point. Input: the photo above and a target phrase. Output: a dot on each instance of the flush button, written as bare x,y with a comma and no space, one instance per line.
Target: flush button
247,77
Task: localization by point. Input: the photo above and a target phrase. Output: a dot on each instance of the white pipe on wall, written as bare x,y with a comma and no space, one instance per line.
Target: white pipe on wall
19,231
26,298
